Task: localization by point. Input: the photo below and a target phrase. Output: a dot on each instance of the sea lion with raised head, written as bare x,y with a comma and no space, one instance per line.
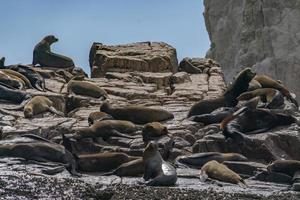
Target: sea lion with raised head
153,130
98,116
218,171
228,99
107,129
136,114
157,172
197,160
42,55
86,88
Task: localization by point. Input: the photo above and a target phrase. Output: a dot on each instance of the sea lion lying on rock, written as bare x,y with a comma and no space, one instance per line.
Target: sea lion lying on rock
228,99
98,116
197,160
107,129
10,81
153,130
160,172
19,75
85,88
8,93
136,114
42,54
218,171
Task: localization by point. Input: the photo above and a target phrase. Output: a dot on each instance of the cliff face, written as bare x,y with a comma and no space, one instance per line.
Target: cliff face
258,33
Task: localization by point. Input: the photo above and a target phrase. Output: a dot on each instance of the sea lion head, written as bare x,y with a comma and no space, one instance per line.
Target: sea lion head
50,39
154,129
28,113
105,106
247,74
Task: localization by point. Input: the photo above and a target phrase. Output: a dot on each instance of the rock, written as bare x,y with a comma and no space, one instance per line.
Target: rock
264,36
142,56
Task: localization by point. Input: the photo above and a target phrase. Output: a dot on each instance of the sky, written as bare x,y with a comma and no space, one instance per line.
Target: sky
78,24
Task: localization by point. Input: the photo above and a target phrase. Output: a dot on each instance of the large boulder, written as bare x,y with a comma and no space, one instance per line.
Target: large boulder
141,56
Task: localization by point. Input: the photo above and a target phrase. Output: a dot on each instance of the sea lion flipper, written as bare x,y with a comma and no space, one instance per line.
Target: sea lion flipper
53,110
53,171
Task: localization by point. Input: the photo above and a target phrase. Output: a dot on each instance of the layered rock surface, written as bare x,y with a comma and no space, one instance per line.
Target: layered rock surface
259,34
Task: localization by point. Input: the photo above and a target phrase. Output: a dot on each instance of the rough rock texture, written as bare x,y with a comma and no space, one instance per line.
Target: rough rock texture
258,33
142,56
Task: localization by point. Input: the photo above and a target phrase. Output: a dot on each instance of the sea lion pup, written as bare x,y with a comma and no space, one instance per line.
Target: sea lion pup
197,160
8,93
40,150
132,168
86,89
136,114
8,80
218,171
159,171
36,80
228,99
272,97
38,105
42,54
153,130
107,129
268,82
98,116
19,75
247,121
100,162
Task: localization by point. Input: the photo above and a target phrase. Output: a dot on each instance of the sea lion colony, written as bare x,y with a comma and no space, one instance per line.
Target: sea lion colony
250,105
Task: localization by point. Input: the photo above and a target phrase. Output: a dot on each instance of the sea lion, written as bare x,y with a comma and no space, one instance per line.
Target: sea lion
42,55
159,171
36,80
16,96
218,171
252,121
86,89
107,129
8,80
153,130
253,85
272,97
37,149
19,75
268,82
228,99
100,162
98,116
136,114
38,105
197,160
289,167
2,60
132,168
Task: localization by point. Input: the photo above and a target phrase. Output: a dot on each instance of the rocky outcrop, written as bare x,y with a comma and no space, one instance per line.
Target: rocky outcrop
256,33
142,56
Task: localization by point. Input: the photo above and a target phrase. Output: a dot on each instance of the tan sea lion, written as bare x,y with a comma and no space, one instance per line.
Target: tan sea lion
268,82
42,54
100,162
86,89
160,172
107,129
98,116
38,105
218,171
197,160
19,75
136,114
153,130
228,99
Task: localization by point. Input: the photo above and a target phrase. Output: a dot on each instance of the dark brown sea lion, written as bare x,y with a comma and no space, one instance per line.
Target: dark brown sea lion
19,75
107,129
98,116
38,149
7,93
268,82
137,114
153,131
86,89
2,61
218,171
197,160
8,80
100,162
228,99
132,168
252,121
160,172
42,54
289,167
